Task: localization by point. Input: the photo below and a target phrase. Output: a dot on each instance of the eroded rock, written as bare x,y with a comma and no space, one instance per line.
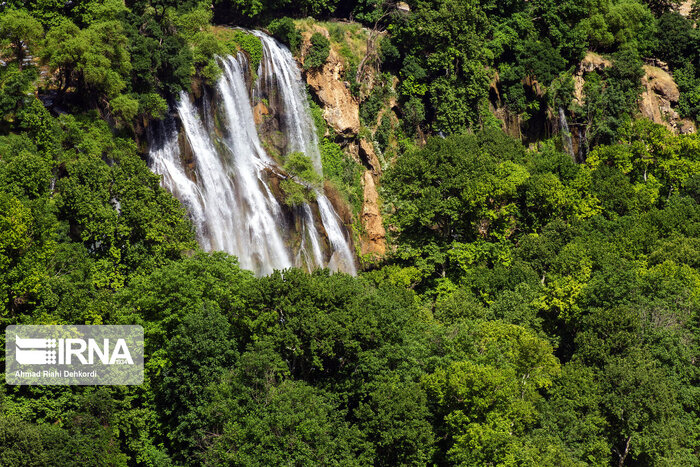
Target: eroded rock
369,156
658,98
374,241
340,109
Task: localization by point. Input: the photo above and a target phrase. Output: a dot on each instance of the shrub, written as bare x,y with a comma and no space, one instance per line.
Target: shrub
300,166
152,105
318,53
124,109
283,30
383,133
689,84
413,115
295,194
234,41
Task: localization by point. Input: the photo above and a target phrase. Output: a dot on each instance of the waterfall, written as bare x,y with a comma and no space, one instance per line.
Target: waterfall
565,133
217,166
165,157
279,71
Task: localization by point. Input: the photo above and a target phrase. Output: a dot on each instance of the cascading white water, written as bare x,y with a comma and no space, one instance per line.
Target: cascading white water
279,70
565,133
226,189
258,225
310,232
234,214
165,161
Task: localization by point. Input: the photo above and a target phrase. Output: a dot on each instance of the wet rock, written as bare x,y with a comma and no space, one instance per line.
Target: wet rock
339,204
259,112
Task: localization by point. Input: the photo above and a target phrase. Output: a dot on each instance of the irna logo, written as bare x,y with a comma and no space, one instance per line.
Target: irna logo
74,354
32,351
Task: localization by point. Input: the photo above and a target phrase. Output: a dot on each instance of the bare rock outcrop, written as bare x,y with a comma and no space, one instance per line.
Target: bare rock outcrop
685,8
340,109
260,111
658,98
374,241
590,63
370,157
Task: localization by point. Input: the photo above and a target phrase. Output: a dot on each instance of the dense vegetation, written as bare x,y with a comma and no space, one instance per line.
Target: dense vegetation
532,310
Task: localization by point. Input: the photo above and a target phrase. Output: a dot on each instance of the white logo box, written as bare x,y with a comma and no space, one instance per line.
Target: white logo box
74,355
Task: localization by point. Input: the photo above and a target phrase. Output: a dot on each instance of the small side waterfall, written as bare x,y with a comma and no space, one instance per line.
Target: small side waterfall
565,133
217,165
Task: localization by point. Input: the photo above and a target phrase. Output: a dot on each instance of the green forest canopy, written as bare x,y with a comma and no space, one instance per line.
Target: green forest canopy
532,311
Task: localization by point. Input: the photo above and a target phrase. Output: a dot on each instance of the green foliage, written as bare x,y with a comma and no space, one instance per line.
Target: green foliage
622,24
467,188
201,347
453,79
21,32
235,40
299,188
290,422
296,194
529,311
317,54
688,80
612,96
95,60
110,219
284,30
125,109
83,436
369,110
299,165
152,106
15,85
413,115
678,41
540,60
343,172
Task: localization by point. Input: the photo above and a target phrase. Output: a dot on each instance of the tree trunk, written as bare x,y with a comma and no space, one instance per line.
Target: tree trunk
623,455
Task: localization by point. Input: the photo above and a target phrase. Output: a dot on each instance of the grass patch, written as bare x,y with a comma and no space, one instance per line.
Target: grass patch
348,40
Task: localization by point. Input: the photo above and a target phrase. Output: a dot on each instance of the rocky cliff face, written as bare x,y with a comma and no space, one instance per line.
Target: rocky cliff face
374,243
341,112
340,109
657,102
659,97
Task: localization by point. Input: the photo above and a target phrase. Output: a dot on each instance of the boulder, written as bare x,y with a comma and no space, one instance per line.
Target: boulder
403,7
685,8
